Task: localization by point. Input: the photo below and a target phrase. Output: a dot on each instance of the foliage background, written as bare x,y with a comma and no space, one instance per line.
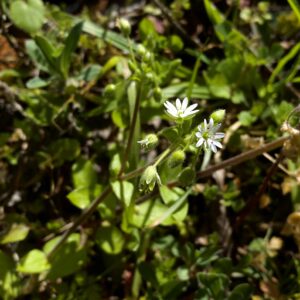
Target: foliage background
69,82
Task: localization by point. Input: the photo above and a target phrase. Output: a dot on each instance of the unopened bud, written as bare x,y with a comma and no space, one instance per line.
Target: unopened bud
187,176
125,26
149,142
148,180
157,94
141,50
176,159
218,115
109,90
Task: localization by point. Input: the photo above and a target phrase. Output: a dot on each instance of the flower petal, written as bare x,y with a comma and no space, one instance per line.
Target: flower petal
219,135
189,110
184,104
218,144
198,135
200,142
213,148
178,104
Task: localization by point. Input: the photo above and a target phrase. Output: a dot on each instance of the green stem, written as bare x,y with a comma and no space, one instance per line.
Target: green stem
193,79
163,156
132,128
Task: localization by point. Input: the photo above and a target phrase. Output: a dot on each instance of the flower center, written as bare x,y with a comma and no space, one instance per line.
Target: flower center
180,112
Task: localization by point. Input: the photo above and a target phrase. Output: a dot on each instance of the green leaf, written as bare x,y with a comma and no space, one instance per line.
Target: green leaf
178,210
118,120
83,196
123,191
246,118
68,259
110,239
294,4
115,39
215,284
16,233
27,15
33,262
49,51
64,150
9,288
148,212
170,195
241,292
36,83
37,56
132,94
84,173
70,46
179,90
283,61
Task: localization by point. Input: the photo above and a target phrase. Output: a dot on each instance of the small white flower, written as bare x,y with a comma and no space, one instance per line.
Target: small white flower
181,109
208,135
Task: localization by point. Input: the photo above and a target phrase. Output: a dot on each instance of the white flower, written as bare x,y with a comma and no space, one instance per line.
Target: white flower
208,135
181,110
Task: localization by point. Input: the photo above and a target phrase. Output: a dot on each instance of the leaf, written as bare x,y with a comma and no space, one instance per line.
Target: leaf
16,233
241,292
9,288
37,56
83,196
294,4
283,61
110,239
84,173
133,90
214,283
178,205
123,191
109,36
179,90
70,46
36,83
27,15
33,262
148,212
49,51
68,259
64,150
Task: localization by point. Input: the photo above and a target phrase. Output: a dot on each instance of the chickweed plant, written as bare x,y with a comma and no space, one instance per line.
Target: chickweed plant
118,178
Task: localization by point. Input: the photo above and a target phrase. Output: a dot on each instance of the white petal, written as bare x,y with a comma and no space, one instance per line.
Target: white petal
205,125
178,104
198,135
190,108
218,144
211,123
172,109
219,135
173,113
200,142
213,148
185,103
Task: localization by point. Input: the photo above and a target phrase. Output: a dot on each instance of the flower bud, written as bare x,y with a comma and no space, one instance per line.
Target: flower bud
149,142
157,94
218,115
149,179
147,56
176,159
109,90
125,26
187,176
141,50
